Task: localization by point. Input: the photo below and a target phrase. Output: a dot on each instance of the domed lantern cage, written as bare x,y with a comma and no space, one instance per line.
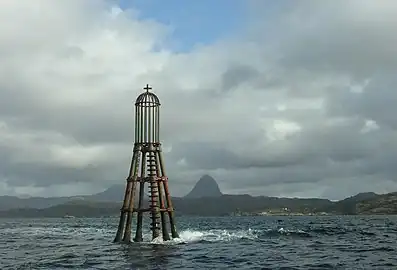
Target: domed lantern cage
147,166
147,117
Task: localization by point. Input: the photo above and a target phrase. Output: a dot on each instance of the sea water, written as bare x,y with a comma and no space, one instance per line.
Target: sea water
268,242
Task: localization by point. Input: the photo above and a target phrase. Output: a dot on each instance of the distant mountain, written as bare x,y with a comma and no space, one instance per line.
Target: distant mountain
362,196
109,201
211,206
205,187
348,205
226,205
76,208
113,194
10,202
381,204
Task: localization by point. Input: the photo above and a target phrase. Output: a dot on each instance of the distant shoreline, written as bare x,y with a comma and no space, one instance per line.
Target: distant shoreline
108,204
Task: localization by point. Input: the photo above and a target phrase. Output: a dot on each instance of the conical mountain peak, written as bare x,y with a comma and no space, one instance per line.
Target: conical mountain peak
205,187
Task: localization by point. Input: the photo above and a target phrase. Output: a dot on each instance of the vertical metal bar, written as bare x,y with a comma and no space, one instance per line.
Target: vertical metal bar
149,120
153,121
168,198
138,234
136,124
141,123
144,119
133,177
158,124
127,197
145,122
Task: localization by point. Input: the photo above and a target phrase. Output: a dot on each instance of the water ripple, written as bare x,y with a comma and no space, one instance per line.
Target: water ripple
205,243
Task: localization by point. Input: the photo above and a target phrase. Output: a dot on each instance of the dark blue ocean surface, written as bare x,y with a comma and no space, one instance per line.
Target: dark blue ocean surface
205,243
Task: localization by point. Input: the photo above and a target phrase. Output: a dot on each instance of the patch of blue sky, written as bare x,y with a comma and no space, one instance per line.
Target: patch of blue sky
194,22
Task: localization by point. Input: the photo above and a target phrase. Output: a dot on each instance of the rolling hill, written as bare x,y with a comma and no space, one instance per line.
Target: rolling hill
204,199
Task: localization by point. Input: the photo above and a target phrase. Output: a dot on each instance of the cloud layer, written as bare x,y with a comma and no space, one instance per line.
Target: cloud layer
301,103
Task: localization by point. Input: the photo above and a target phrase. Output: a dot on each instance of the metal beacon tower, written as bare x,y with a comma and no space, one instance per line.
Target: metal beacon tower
147,166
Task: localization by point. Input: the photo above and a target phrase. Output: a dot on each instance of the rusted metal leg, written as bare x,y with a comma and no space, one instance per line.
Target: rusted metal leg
127,195
138,234
164,229
127,232
120,228
174,233
123,210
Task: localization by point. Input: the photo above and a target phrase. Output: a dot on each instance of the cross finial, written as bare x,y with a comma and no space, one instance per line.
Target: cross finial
147,88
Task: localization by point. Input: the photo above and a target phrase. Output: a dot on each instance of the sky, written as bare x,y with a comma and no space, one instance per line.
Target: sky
277,98
192,24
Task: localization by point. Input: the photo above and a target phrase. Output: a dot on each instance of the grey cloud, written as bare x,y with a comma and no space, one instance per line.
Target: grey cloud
356,41
311,147
376,101
312,55
236,75
49,172
332,152
211,156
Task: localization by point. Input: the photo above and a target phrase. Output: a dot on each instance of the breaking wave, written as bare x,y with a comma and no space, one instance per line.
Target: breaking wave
191,236
203,244
185,236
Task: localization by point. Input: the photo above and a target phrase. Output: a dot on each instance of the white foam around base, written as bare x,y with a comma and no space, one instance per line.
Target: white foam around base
191,236
185,236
